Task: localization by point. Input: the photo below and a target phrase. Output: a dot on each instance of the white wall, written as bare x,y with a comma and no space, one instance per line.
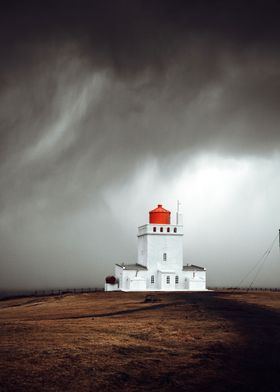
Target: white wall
128,280
162,281
152,245
111,287
137,284
197,282
126,276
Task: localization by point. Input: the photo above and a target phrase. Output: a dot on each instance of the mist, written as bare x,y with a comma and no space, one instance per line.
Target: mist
108,110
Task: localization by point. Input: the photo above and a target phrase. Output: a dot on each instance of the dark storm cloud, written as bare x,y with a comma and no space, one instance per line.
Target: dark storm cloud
175,52
90,91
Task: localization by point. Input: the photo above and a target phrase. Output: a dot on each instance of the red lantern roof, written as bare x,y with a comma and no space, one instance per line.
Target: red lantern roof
160,215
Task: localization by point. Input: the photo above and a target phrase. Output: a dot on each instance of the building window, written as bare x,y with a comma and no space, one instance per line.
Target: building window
168,229
153,279
175,230
164,256
161,229
193,274
176,279
154,229
168,279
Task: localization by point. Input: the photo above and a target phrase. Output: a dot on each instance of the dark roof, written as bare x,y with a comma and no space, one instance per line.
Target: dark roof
133,267
192,267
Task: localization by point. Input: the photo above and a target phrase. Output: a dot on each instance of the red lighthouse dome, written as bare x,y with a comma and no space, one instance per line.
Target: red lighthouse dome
160,215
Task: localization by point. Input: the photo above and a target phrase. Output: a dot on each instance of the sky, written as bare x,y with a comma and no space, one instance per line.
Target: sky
109,108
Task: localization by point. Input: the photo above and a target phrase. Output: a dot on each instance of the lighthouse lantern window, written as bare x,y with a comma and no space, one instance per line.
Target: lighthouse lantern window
175,229
161,229
154,229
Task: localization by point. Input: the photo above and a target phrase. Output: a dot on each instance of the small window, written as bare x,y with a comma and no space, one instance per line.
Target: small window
161,229
168,229
164,256
175,230
177,279
193,274
168,279
153,279
154,229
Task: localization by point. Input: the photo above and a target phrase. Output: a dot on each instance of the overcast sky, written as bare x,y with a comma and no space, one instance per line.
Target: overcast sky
109,108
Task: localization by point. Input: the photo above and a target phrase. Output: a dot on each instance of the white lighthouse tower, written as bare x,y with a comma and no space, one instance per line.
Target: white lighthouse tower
160,249
160,259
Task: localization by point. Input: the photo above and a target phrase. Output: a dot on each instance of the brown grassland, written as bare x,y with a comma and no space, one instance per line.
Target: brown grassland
210,341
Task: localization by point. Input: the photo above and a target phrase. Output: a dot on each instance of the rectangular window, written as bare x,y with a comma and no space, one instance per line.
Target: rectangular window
152,279
168,279
177,279
164,256
193,274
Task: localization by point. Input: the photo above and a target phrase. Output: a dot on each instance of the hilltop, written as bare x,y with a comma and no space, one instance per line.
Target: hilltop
211,341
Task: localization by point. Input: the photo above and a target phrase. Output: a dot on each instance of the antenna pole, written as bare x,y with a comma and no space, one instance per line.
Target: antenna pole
177,214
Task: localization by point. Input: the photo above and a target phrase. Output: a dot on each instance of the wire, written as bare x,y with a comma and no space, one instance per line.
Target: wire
251,270
262,264
258,271
259,264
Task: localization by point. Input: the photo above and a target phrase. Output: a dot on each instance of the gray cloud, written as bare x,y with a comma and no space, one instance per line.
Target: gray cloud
91,95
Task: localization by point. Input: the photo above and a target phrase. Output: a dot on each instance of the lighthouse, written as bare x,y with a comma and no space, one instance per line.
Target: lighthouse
159,265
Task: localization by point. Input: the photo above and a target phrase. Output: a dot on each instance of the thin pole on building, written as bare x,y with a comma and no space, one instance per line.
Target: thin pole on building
178,206
177,214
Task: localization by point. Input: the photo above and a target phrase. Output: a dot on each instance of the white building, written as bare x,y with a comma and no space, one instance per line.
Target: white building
160,259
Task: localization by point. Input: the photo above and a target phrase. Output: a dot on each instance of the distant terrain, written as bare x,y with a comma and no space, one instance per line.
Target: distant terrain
210,341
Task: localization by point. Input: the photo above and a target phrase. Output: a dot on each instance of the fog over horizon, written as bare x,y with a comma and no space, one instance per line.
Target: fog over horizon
107,110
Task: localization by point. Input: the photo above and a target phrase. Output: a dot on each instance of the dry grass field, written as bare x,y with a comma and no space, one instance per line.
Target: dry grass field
211,341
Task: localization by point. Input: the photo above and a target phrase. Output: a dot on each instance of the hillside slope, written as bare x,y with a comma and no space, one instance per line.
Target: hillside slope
211,341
